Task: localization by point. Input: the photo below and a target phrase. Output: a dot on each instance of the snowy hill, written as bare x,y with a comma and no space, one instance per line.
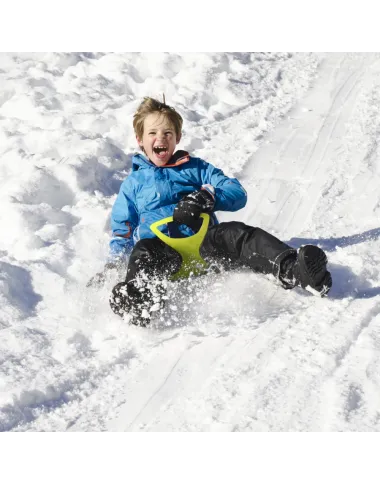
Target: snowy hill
235,351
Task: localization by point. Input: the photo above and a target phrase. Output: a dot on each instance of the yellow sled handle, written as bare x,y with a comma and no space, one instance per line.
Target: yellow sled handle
187,247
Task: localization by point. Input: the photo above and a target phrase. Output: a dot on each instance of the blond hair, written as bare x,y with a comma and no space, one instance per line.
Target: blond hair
151,105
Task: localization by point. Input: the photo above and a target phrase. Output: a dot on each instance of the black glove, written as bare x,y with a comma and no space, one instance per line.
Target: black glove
100,278
190,207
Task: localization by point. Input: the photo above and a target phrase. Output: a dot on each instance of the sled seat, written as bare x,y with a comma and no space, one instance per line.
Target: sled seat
187,247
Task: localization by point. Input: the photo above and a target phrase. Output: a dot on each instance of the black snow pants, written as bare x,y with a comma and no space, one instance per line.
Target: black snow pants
231,245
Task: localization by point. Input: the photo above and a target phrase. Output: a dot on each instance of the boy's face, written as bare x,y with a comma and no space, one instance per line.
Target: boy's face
159,139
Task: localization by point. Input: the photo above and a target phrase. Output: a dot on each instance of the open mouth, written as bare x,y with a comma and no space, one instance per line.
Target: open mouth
161,151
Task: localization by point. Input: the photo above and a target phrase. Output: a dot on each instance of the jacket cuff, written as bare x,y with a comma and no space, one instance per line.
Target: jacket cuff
210,189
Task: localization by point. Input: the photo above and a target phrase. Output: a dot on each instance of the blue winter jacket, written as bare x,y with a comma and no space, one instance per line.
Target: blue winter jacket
151,193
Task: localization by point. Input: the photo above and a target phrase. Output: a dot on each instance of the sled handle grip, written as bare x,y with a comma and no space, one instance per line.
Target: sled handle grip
185,244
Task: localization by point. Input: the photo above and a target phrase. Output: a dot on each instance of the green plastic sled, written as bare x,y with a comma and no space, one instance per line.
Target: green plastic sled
187,247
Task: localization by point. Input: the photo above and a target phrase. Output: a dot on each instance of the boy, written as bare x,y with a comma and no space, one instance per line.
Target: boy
166,183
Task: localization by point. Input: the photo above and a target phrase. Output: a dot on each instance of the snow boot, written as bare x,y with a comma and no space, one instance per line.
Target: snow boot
307,269
138,304
125,300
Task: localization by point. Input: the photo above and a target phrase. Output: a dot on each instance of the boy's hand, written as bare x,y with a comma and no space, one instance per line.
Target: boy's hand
189,209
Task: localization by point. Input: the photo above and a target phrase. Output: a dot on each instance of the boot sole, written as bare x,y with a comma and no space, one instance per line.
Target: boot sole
314,276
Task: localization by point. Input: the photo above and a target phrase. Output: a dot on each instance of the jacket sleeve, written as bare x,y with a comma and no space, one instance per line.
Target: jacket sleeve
229,193
124,220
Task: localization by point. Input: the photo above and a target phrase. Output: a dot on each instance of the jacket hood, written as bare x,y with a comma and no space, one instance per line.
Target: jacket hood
140,161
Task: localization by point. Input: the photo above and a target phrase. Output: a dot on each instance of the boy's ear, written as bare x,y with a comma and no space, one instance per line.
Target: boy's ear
139,141
179,138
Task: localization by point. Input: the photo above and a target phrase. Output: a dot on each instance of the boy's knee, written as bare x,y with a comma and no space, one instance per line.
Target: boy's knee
146,246
147,252
153,257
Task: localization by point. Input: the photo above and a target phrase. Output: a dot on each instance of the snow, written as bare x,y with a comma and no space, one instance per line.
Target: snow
234,352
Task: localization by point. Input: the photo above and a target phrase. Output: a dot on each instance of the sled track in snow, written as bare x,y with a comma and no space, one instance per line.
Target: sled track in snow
320,148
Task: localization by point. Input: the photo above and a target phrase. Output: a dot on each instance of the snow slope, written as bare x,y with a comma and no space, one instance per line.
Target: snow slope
234,351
